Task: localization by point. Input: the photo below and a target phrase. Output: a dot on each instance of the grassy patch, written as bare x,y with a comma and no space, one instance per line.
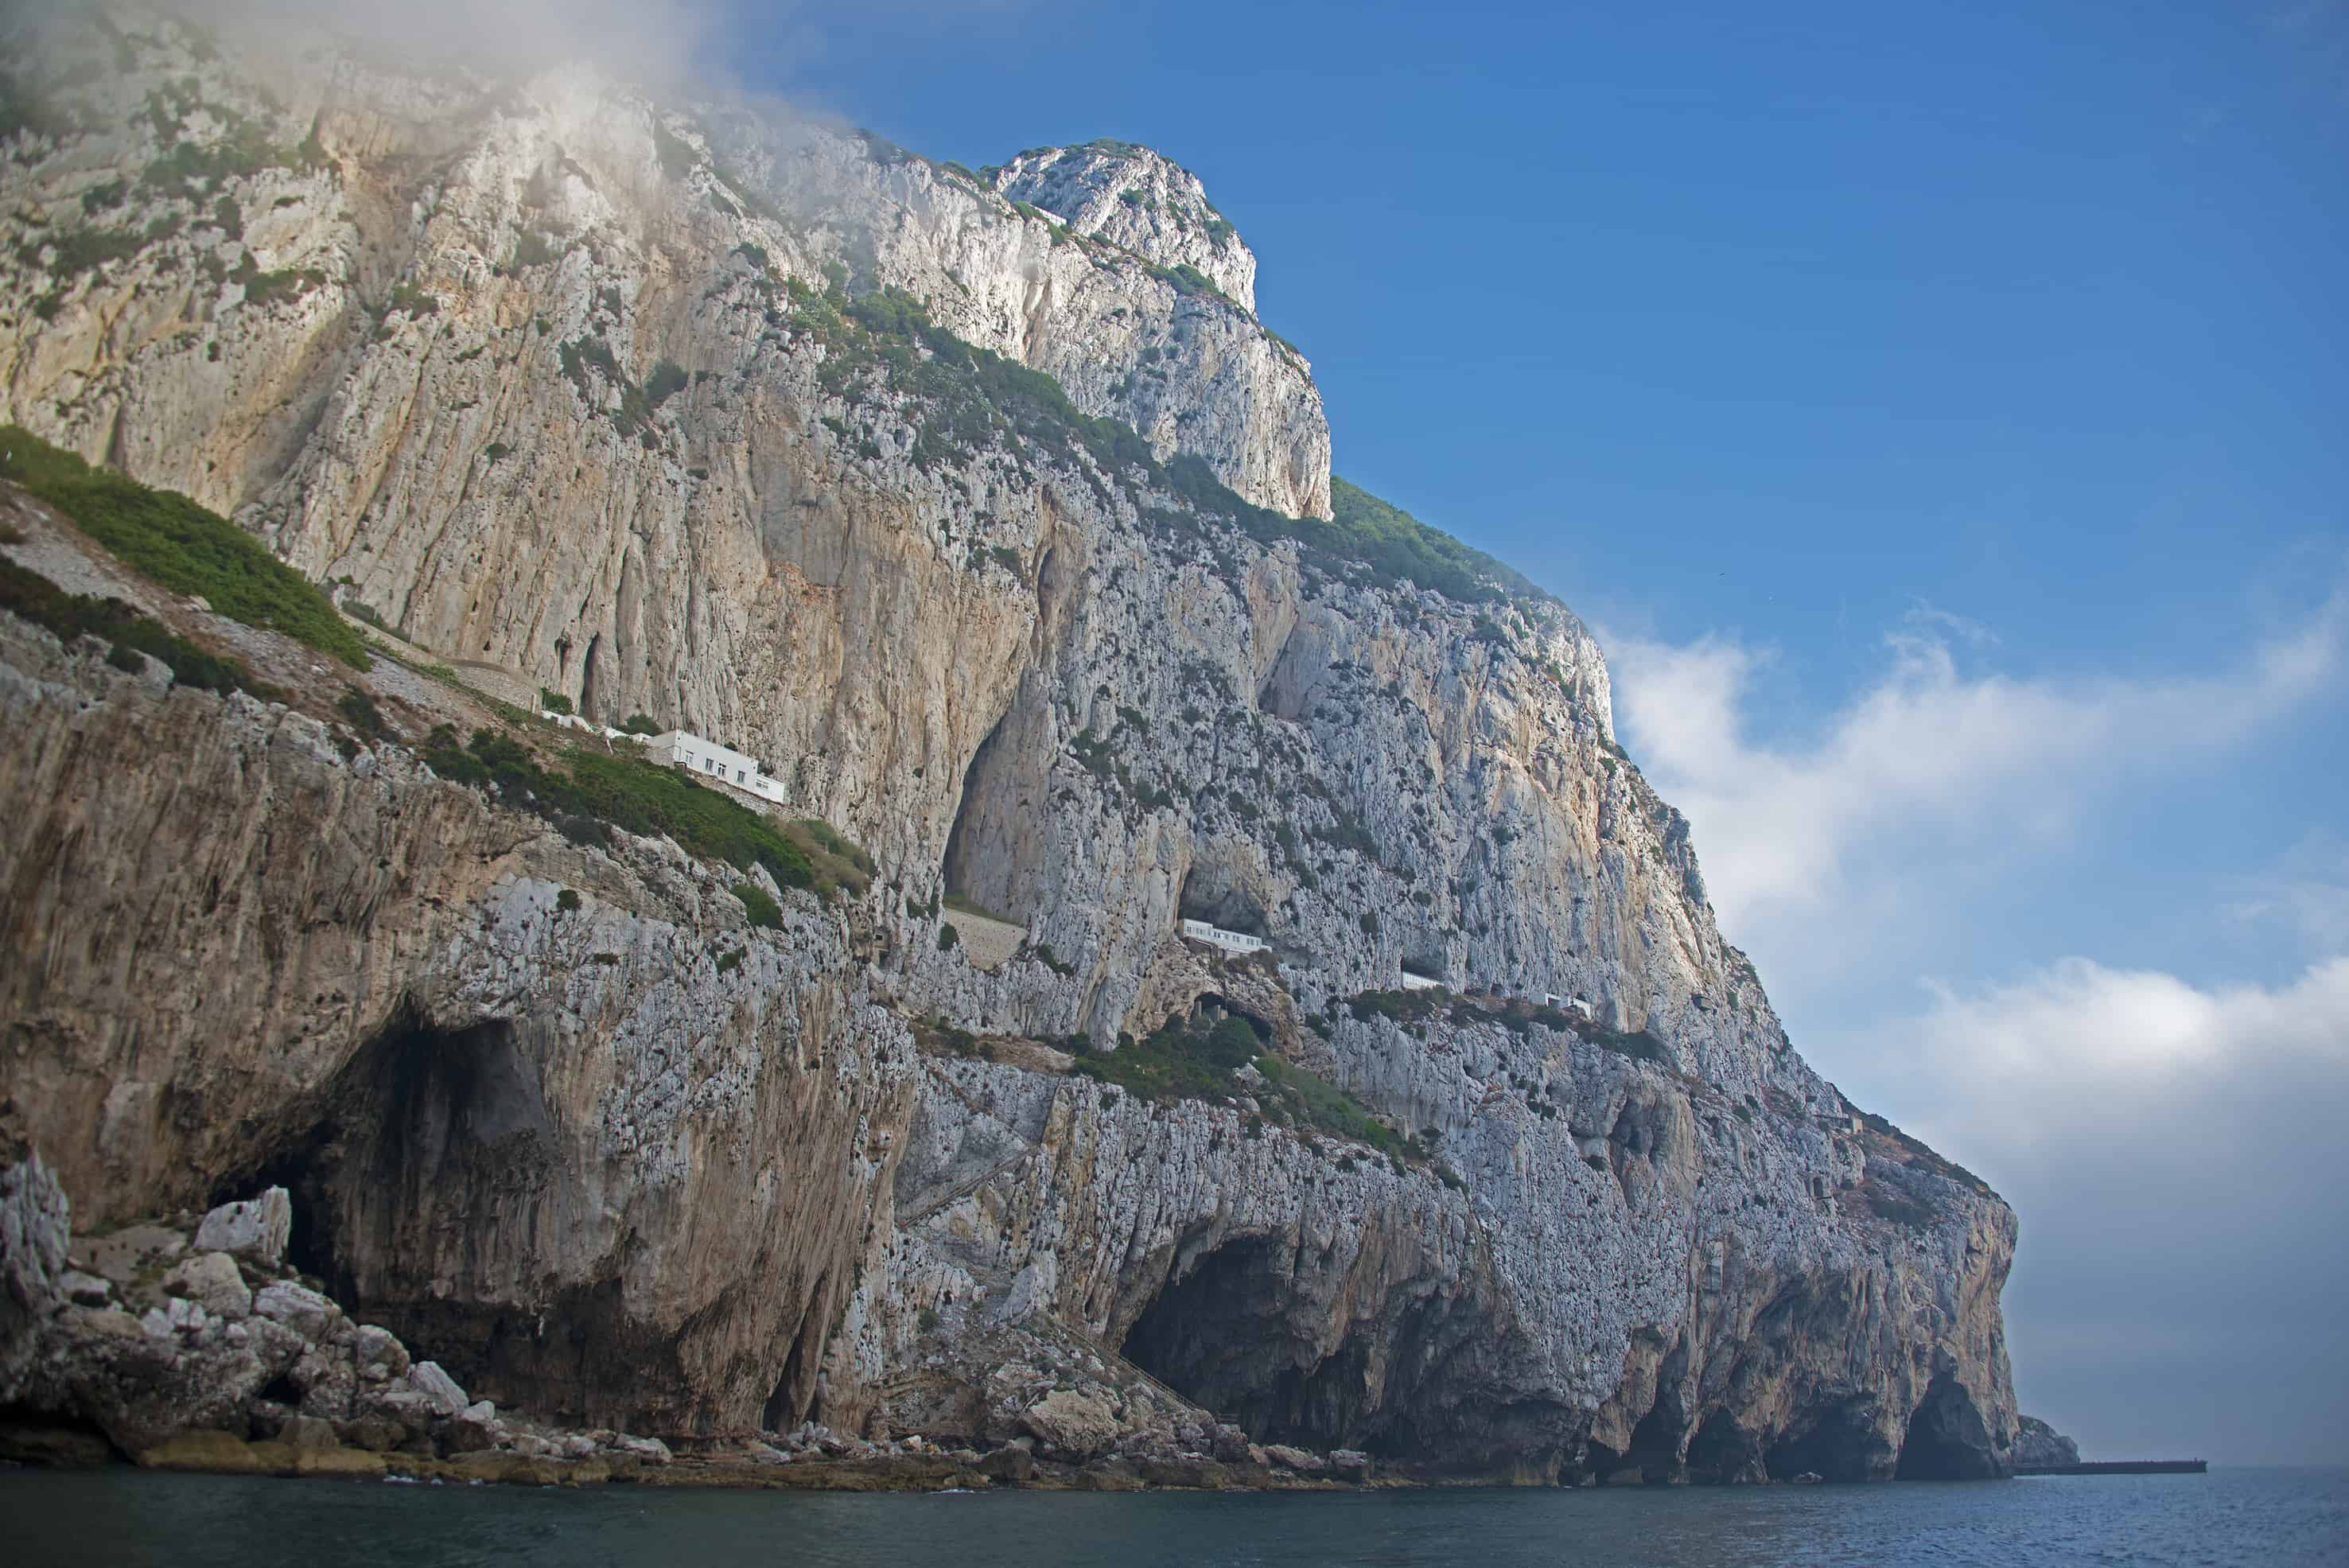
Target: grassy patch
1195,1061
69,616
762,911
1398,546
1516,1014
1313,1102
359,712
180,545
589,791
837,861
1897,1207
970,399
638,401
1183,1062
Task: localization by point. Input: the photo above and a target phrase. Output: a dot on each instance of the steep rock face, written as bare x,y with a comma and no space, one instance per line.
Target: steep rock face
424,353
1134,198
603,1178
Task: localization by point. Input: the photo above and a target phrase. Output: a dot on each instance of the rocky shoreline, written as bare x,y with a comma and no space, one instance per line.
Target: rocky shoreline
191,1344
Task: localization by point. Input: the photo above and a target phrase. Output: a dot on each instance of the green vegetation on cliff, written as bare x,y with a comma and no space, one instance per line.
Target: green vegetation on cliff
179,545
590,791
1196,1061
70,616
1399,544
973,399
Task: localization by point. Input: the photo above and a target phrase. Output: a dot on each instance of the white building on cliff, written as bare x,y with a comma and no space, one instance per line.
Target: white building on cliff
1215,936
683,749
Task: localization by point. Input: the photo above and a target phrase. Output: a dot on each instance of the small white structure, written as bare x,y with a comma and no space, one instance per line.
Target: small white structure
573,721
1567,1003
1230,941
1420,982
682,749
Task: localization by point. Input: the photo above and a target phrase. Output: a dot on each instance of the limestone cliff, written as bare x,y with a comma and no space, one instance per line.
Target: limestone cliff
735,422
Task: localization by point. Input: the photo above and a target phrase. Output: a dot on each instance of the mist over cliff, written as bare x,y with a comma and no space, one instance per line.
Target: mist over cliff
982,508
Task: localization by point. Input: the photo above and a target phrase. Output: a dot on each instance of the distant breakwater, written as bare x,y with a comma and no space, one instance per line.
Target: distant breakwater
2120,1468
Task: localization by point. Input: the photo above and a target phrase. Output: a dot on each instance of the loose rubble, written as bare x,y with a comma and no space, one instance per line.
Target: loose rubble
149,1345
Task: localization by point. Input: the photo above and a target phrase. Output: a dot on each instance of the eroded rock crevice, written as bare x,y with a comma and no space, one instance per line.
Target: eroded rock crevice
1947,1439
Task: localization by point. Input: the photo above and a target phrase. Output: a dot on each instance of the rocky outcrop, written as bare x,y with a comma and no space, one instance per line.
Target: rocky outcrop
179,1373
614,396
1139,200
2038,1446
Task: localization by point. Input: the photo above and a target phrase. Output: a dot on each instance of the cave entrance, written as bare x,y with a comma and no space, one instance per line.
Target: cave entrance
422,1125
1840,1444
1655,1447
1209,1009
1947,1439
1217,1335
1723,1452
978,860
590,685
1212,893
794,1391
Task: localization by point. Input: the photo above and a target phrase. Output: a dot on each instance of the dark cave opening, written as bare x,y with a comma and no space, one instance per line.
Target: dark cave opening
421,1126
1723,1452
1210,892
1946,1439
1209,1009
1216,1335
590,687
977,866
303,1168
1840,1444
794,1391
1655,1445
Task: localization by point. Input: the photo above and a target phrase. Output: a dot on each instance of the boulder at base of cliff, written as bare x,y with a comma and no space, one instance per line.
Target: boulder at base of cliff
254,1231
1073,1424
2038,1445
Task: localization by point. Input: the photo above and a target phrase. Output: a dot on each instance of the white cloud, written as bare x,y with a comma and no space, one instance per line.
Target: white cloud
1931,763
2179,1159
2307,893
660,43
2012,1069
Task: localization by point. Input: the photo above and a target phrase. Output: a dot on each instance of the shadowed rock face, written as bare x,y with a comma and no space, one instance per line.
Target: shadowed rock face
650,1191
2038,1444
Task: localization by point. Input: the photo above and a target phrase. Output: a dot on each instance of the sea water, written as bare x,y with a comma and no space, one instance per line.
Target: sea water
125,1519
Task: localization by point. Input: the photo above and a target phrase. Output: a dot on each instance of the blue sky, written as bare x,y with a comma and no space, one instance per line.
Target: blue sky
1943,412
